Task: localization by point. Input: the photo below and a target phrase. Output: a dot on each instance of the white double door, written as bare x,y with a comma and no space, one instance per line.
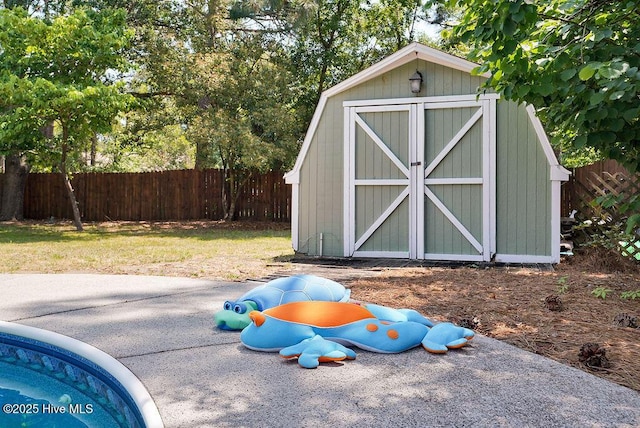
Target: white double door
419,178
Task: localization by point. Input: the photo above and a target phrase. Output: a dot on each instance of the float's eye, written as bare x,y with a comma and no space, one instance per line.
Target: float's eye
228,306
239,308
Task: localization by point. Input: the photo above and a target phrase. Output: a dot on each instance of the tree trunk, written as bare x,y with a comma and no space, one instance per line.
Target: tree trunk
235,180
94,150
228,203
74,203
231,188
67,183
15,180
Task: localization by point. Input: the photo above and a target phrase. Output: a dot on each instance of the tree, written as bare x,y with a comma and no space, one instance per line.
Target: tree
577,61
392,23
229,88
262,67
240,115
16,166
146,140
334,39
54,73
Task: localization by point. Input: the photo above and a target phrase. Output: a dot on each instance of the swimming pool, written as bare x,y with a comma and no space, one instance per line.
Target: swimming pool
48,378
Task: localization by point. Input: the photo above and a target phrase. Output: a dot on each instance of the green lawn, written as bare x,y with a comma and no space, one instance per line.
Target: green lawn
232,251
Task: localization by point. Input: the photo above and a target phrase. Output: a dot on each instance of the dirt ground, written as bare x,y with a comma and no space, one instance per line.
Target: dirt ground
552,313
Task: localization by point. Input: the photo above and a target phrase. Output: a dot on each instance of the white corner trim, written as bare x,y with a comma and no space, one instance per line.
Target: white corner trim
555,220
292,177
558,172
295,213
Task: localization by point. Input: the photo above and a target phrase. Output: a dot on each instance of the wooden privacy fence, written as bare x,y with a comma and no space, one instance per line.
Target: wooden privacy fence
159,196
196,194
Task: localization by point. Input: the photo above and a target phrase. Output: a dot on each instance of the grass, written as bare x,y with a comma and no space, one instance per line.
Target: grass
230,251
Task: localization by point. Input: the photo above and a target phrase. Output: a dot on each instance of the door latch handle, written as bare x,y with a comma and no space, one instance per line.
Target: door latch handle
416,163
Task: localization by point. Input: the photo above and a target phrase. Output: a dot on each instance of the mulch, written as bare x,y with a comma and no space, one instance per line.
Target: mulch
552,313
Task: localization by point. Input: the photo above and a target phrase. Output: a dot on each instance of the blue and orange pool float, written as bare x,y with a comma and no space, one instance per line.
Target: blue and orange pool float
319,331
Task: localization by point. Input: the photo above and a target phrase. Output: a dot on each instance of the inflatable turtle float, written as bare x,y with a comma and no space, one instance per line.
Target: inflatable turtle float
297,288
316,332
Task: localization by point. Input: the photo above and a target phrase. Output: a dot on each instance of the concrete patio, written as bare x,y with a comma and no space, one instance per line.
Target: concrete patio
162,330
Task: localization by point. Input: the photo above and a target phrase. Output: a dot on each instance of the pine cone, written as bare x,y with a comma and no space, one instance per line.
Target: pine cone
593,355
470,323
553,303
626,320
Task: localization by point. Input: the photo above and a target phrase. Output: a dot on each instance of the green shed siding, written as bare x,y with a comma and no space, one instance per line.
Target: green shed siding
321,198
465,202
438,81
466,158
320,203
523,189
393,234
371,162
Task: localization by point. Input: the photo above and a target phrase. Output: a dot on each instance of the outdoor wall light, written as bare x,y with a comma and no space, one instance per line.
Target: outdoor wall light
416,82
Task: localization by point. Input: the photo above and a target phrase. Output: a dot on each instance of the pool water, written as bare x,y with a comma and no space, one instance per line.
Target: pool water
29,398
27,411
42,385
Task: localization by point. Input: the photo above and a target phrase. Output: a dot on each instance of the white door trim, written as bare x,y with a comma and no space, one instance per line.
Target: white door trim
486,112
416,151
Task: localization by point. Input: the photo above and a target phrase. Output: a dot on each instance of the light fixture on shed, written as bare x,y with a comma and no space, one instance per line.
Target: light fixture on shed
416,82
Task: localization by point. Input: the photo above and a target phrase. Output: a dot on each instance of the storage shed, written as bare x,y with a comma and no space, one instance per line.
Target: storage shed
431,172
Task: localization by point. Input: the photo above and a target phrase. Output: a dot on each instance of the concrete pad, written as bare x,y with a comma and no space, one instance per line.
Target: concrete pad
123,315
162,329
32,295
